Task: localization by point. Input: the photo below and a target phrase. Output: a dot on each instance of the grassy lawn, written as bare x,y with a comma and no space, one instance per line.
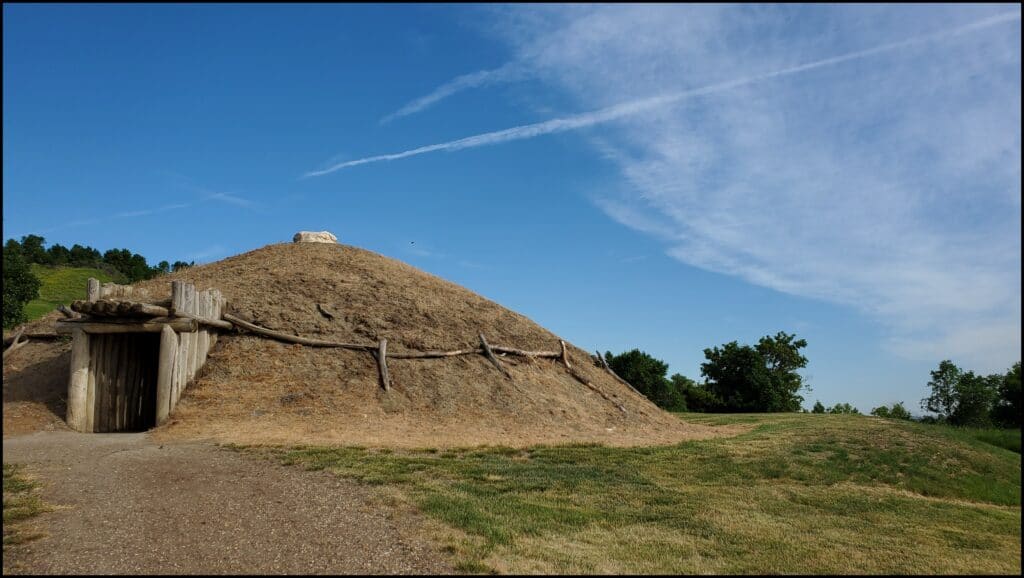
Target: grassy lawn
60,285
20,503
794,494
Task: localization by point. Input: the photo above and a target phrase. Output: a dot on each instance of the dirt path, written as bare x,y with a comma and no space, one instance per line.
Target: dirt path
134,506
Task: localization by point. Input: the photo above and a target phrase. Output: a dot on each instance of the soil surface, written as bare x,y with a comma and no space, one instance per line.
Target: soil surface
129,505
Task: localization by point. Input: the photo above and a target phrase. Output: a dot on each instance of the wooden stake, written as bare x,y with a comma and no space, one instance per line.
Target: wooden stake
382,363
15,344
292,338
78,384
608,368
92,290
165,373
490,355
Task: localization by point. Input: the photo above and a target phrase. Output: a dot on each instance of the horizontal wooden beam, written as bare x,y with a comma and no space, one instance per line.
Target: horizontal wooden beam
113,325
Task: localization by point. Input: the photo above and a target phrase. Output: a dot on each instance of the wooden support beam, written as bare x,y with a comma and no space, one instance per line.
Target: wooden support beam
15,343
437,354
239,322
523,353
608,368
92,290
155,325
382,363
218,323
78,384
576,375
149,310
490,356
165,372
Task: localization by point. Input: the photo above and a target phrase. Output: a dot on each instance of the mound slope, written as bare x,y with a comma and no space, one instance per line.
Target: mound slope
255,390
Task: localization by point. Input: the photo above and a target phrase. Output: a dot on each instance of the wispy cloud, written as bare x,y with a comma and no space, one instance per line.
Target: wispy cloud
890,185
231,199
635,107
506,73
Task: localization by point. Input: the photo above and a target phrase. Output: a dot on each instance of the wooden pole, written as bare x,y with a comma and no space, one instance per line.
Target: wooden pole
578,377
155,325
490,356
15,344
92,290
382,363
90,396
514,351
78,384
608,368
292,338
191,305
119,380
165,373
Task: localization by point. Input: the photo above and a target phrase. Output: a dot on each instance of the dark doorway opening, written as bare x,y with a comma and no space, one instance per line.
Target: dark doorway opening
125,367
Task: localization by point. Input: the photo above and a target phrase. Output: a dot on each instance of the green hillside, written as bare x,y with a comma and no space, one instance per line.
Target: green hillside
61,285
790,493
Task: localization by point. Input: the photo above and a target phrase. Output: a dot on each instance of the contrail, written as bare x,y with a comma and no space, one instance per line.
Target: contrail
508,72
641,105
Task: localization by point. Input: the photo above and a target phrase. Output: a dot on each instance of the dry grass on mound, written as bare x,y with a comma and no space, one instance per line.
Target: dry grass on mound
254,390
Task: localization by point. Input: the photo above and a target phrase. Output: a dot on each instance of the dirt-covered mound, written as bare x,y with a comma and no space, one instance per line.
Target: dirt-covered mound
255,390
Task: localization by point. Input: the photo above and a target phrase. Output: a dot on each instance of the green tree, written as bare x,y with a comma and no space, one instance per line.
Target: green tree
757,379
818,407
844,408
58,255
84,256
20,286
895,412
961,397
1007,411
881,411
163,267
647,374
32,249
696,396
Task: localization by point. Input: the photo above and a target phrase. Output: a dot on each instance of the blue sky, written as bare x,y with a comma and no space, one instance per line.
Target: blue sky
663,177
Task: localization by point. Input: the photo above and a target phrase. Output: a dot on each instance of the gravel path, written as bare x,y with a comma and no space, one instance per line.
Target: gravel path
133,506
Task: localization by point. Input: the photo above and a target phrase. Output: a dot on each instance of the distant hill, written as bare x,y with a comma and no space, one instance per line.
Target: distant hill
61,285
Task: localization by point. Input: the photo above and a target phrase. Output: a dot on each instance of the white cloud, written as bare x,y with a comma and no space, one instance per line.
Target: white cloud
507,73
890,183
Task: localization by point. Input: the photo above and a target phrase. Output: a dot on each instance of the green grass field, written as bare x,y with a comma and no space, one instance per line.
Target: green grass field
61,285
795,493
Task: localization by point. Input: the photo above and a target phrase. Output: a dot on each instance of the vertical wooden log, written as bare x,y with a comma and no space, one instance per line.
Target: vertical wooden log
133,371
165,375
118,381
177,296
90,395
382,363
203,336
92,290
78,384
102,383
192,306
178,372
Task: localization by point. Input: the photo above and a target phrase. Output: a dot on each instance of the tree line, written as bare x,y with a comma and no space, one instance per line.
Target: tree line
22,286
764,378
737,378
129,267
